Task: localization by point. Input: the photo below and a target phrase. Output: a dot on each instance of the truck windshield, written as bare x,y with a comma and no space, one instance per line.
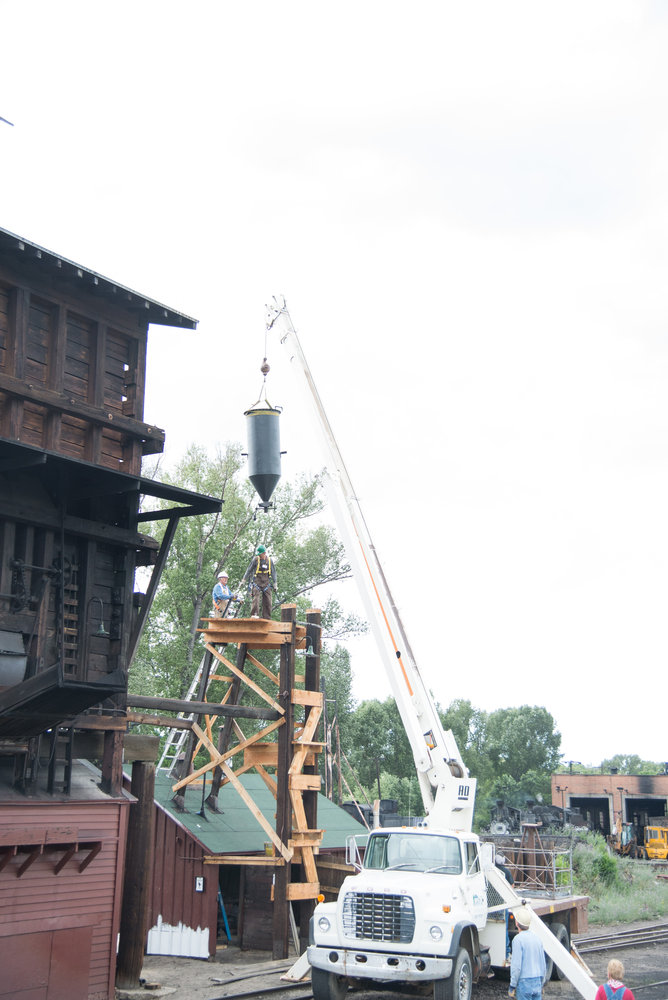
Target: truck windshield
414,852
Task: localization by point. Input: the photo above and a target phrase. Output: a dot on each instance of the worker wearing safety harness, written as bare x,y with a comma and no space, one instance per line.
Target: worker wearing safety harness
261,578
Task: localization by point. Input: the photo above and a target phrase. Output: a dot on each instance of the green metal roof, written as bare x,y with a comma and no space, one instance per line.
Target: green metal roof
234,830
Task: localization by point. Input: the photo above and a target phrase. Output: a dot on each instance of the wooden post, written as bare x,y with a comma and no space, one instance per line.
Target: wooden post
211,800
112,762
311,683
137,881
281,923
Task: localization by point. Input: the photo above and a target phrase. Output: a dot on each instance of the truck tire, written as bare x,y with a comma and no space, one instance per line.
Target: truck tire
459,985
327,985
560,931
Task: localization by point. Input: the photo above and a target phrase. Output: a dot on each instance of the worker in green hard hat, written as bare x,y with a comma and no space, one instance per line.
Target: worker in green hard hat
261,579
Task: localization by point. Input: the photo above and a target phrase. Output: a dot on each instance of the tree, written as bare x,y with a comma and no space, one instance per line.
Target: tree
630,764
306,557
519,740
379,742
469,728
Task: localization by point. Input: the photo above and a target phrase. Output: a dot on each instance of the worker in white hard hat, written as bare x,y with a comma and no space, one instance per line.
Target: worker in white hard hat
527,965
222,596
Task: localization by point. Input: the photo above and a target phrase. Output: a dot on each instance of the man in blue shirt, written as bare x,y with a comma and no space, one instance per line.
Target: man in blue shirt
222,595
527,965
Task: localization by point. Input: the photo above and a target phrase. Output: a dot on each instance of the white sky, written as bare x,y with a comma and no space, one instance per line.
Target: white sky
465,205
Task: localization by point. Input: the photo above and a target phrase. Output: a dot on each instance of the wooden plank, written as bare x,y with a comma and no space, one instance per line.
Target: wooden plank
165,721
303,890
308,732
308,863
258,861
201,707
205,741
307,838
312,782
315,698
270,782
262,753
78,407
270,675
298,810
245,680
226,755
275,839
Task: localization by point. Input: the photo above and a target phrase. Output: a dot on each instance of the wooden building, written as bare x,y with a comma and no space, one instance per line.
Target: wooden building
72,438
185,916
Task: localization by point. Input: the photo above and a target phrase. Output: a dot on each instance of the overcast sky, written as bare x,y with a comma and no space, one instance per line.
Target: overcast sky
466,207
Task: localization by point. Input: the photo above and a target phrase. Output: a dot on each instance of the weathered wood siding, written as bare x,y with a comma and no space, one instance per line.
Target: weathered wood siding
72,382
41,903
182,920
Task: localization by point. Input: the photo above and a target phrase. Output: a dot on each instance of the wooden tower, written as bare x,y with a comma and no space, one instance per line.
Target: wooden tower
287,761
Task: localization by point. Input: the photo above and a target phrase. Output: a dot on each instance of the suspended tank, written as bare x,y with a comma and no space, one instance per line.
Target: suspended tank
264,451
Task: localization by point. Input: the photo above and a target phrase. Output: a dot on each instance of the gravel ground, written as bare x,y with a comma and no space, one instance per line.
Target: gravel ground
192,979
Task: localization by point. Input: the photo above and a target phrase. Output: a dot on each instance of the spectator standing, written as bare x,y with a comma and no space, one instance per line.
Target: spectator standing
527,964
614,989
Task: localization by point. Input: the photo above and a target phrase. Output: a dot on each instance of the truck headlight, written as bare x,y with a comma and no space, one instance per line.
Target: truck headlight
435,932
323,924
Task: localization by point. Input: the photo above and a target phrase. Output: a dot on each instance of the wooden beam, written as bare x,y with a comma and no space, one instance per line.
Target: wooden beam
281,923
308,782
258,861
165,721
225,756
276,840
248,682
137,882
78,408
201,707
302,890
100,722
269,674
98,531
307,698
136,746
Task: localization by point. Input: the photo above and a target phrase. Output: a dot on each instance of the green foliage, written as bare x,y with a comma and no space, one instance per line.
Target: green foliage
620,889
306,554
630,764
594,867
522,739
379,742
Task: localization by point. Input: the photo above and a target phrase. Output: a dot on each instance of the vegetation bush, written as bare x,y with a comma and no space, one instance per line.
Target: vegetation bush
620,890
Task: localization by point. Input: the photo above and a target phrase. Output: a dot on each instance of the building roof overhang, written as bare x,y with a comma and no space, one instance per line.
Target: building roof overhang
42,262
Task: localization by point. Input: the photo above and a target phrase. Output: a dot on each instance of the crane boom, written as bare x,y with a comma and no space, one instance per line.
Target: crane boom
448,792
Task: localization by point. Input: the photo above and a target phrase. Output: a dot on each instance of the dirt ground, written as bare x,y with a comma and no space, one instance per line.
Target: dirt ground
253,973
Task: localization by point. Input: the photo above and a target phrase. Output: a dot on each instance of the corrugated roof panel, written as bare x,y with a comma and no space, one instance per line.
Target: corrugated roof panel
234,830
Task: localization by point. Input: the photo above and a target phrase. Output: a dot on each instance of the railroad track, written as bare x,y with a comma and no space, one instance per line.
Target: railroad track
649,934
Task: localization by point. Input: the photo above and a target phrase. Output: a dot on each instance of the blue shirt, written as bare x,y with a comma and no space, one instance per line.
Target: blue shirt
528,961
221,593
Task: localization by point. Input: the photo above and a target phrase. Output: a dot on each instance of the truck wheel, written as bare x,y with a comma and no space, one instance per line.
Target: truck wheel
327,985
560,931
458,986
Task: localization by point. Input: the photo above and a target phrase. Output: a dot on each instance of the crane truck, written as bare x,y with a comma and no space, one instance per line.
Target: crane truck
427,908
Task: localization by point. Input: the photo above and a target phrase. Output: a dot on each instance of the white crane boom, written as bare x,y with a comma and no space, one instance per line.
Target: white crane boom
448,792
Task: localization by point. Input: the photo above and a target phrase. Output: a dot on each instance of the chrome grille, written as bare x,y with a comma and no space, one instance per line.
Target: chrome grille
378,917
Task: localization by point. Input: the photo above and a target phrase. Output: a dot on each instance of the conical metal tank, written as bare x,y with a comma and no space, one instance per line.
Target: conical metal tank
264,450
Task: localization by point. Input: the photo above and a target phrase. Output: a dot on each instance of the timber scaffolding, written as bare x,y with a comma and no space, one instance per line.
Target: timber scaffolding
294,710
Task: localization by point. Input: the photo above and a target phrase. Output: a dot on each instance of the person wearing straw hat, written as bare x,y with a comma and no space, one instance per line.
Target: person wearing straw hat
527,965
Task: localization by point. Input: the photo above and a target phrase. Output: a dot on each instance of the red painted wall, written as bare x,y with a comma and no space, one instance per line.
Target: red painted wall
58,930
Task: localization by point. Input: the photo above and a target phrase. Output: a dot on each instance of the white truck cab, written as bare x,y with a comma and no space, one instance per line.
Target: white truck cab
413,913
